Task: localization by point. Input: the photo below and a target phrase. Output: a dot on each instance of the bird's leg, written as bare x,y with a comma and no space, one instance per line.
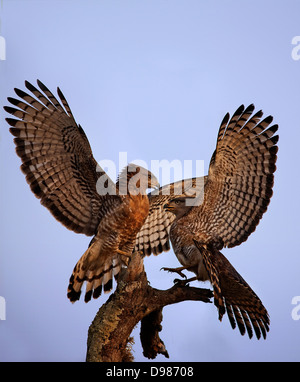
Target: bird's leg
124,253
175,270
125,256
184,282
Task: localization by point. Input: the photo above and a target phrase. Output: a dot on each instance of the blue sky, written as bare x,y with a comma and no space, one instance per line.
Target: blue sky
153,79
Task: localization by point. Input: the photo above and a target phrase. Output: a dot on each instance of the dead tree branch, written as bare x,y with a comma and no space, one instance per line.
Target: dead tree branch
133,301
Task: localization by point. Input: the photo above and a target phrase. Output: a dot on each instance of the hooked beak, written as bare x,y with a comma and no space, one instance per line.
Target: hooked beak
168,207
154,183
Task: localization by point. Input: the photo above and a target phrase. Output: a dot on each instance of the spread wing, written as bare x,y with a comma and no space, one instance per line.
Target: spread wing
57,158
237,190
154,235
240,179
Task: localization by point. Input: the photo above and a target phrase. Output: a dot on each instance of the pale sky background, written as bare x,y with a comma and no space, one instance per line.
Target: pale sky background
153,79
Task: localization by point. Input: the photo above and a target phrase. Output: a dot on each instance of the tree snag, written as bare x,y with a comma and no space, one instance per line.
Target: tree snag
133,301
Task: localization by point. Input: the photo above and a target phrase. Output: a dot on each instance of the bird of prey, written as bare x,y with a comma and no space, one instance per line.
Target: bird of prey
60,168
236,193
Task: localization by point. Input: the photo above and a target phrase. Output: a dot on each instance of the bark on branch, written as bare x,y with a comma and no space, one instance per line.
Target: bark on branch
134,300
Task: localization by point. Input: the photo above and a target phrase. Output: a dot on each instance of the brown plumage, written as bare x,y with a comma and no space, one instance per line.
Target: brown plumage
236,193
231,292
62,172
114,241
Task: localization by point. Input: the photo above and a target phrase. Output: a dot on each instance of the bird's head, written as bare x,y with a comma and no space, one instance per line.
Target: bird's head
136,179
178,206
